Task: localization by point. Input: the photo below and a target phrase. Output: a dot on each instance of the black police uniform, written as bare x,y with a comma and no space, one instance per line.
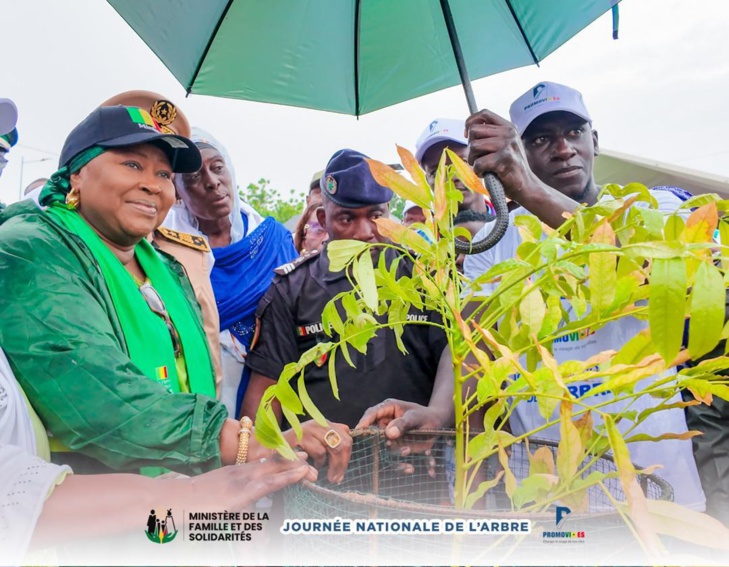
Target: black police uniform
290,318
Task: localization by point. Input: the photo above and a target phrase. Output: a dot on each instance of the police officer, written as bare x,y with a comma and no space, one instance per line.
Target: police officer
290,313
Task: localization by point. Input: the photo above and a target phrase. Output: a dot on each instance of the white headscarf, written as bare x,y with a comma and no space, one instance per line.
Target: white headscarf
182,220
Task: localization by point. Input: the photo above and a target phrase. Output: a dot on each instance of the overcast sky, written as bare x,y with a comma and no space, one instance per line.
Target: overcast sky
659,92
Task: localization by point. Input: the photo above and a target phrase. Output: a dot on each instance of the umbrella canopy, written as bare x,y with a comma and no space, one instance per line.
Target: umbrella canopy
347,56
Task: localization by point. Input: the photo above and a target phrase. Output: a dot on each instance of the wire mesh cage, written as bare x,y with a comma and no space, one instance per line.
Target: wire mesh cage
383,484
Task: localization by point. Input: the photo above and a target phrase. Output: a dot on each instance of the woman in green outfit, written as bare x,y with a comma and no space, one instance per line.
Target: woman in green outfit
101,330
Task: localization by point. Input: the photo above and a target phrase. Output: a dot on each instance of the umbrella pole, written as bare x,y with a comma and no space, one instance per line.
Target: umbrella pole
458,53
496,189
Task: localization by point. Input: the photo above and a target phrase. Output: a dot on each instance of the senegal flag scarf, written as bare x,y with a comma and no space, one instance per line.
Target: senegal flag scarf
147,337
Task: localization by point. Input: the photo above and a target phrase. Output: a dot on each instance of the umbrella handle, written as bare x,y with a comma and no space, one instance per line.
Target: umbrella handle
498,199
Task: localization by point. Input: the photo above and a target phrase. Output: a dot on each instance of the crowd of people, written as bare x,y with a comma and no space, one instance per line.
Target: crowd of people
146,308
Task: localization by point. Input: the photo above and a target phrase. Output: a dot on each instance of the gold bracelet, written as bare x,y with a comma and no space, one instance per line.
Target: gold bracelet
246,425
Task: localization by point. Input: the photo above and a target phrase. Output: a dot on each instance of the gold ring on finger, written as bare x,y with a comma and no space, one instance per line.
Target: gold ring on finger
332,438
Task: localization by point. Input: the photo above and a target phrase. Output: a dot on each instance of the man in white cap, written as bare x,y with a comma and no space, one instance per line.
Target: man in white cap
8,115
544,157
8,133
412,213
442,134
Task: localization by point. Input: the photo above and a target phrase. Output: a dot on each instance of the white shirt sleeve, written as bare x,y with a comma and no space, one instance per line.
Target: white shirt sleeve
476,265
25,483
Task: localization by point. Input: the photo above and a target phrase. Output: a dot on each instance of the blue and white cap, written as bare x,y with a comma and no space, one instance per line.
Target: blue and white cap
8,115
543,98
440,130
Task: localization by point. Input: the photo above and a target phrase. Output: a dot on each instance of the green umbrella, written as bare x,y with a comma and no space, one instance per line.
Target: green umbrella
353,56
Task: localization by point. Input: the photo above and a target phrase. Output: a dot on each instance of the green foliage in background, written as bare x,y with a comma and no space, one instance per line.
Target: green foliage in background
269,202
396,206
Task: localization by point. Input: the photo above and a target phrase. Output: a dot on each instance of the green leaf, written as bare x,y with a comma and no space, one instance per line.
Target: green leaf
534,488
309,406
330,319
293,421
510,483
707,310
579,303
396,315
682,523
489,384
674,227
662,250
542,461
571,268
351,307
364,274
314,354
486,388
532,226
664,436
552,318
385,175
505,267
268,432
547,391
712,366
700,201
482,489
332,370
402,235
287,397
345,352
466,174
635,350
482,445
666,305
602,271
532,310
569,449
527,251
493,413
341,252
413,168
661,407
652,220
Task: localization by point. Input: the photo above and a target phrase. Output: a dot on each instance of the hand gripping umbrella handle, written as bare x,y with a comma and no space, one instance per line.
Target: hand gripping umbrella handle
498,199
493,184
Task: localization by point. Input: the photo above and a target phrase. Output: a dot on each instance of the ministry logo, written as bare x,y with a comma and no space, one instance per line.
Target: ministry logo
161,529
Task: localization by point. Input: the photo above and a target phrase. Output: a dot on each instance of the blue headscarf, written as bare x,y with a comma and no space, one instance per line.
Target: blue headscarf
243,270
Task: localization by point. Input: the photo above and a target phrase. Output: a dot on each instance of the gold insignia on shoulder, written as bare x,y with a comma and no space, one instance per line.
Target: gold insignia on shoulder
164,113
190,240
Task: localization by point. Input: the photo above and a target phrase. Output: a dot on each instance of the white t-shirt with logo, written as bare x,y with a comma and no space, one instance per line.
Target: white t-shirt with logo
676,456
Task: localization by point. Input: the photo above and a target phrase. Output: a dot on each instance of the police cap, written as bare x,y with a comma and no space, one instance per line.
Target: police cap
348,182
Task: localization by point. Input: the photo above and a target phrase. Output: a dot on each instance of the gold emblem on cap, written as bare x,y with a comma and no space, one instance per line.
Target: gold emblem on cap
330,184
164,113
